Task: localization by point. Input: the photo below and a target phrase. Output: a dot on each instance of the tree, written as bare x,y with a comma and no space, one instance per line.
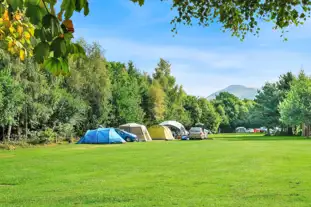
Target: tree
267,102
240,17
11,97
231,106
91,81
126,98
157,98
210,118
192,107
295,109
284,86
224,120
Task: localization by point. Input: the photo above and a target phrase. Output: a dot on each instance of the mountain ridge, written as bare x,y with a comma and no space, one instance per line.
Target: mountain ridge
240,91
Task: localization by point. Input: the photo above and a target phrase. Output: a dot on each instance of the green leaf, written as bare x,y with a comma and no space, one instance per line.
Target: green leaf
80,5
53,2
57,66
65,66
35,13
68,36
140,2
38,34
15,4
68,6
59,48
2,9
77,49
51,22
43,34
86,9
53,65
32,2
41,51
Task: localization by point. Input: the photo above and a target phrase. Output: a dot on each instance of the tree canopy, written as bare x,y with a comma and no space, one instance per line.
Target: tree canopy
44,28
242,16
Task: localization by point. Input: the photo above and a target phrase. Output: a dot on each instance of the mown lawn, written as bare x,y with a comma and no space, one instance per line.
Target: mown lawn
231,170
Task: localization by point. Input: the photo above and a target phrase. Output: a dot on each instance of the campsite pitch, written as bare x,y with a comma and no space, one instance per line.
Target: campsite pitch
228,171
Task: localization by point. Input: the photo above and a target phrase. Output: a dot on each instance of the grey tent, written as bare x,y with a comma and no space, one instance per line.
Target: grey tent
175,126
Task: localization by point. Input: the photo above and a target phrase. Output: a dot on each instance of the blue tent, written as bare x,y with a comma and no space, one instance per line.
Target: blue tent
101,136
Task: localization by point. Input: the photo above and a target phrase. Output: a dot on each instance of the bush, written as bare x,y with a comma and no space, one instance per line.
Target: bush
11,145
65,131
43,137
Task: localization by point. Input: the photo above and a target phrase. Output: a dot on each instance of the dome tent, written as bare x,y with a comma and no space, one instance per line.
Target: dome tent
139,130
101,136
240,130
175,125
158,132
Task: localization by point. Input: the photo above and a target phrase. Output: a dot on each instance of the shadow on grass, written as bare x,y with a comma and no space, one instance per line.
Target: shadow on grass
264,138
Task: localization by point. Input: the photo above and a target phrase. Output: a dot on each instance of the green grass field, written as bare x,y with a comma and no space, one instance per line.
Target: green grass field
231,170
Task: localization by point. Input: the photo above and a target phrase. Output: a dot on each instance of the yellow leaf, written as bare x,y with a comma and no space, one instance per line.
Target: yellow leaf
12,29
18,16
7,23
5,15
10,44
22,54
20,30
27,35
31,31
11,50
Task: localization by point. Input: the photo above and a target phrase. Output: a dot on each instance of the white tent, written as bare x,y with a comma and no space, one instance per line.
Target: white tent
240,130
175,125
138,129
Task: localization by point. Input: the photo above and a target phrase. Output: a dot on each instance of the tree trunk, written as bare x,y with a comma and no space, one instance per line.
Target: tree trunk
19,132
303,130
9,132
3,137
290,131
268,130
26,123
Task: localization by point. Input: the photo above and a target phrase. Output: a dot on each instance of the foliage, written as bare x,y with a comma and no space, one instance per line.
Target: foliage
16,33
98,92
25,23
210,118
35,23
157,99
240,17
266,106
126,95
296,107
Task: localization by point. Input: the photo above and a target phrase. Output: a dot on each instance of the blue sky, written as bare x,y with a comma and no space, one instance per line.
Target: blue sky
203,60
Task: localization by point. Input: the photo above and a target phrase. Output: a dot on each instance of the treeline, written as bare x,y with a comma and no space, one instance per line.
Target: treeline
40,107
285,104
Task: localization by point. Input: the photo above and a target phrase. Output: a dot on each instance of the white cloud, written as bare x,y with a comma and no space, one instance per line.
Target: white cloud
203,71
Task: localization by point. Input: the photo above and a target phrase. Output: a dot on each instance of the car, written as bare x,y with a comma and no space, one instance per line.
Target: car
263,130
129,137
184,137
197,133
208,131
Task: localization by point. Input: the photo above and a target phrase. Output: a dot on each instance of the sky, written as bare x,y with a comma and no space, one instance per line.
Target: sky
203,60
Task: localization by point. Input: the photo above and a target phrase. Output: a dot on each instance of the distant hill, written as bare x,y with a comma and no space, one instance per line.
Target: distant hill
237,90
